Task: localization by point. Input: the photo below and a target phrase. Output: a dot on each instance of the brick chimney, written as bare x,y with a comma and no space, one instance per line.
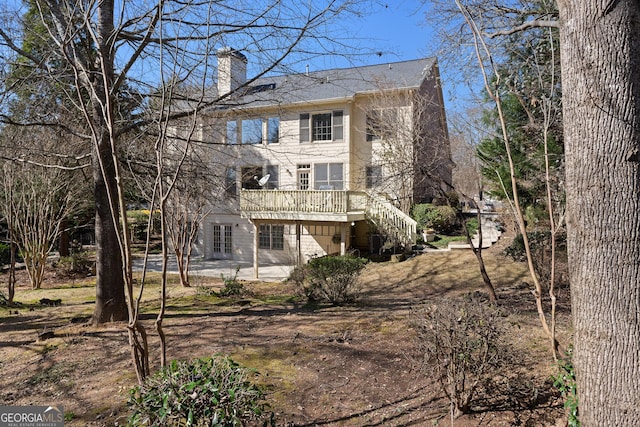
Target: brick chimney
232,70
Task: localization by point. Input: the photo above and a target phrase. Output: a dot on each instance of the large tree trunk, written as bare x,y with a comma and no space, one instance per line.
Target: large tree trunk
111,304
600,44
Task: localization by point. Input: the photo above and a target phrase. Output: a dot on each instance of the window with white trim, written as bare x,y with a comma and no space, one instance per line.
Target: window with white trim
273,130
222,239
231,187
304,174
271,236
328,176
272,183
327,126
232,132
251,176
374,125
252,131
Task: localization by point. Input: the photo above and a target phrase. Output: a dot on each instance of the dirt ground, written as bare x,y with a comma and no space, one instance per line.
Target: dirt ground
325,366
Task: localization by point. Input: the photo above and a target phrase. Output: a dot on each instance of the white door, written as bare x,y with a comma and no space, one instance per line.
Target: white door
304,177
221,241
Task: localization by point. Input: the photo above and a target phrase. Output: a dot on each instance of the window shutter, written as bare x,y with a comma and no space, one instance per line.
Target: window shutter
304,127
337,125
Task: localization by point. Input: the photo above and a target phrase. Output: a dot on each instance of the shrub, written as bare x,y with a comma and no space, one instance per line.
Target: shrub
459,347
232,287
442,219
472,226
537,239
76,263
138,222
303,286
211,391
5,254
333,278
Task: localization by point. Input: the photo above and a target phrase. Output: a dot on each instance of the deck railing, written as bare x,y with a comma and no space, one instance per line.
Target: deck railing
305,201
389,219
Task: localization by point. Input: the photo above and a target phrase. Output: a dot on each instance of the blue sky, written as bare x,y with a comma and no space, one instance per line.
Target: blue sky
400,31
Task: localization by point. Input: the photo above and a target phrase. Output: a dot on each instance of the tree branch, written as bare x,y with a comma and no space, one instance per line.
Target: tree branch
538,23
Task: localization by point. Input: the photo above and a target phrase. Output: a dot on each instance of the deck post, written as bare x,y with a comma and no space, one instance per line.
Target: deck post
298,244
343,238
256,244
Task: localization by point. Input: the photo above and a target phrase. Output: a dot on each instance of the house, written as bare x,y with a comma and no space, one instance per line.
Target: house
323,161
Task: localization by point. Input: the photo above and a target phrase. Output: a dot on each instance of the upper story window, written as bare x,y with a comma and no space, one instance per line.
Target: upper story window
232,132
251,176
326,126
321,127
252,131
273,130
374,176
381,123
230,182
304,176
255,177
374,125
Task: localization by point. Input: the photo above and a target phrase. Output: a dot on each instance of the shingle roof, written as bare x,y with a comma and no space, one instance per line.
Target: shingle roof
342,83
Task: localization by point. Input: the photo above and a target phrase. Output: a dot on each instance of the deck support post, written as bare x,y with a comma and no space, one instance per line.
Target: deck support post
256,244
343,238
298,244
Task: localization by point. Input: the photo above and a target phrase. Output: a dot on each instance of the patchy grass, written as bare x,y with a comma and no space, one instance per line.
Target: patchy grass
442,241
324,365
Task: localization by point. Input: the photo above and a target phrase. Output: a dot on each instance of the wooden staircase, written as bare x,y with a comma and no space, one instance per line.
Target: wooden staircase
390,220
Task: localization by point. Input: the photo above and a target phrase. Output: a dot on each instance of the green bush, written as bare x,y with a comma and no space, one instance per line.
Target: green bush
76,263
5,254
565,382
209,391
443,219
472,226
334,278
232,287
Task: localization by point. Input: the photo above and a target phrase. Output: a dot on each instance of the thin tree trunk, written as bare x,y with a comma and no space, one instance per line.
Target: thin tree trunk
600,56
63,242
486,280
12,271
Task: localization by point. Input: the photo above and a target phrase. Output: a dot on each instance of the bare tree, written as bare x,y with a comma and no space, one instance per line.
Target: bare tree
114,50
37,200
186,207
599,44
484,54
464,142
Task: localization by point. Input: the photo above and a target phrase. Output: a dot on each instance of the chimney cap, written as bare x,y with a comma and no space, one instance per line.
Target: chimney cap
229,51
